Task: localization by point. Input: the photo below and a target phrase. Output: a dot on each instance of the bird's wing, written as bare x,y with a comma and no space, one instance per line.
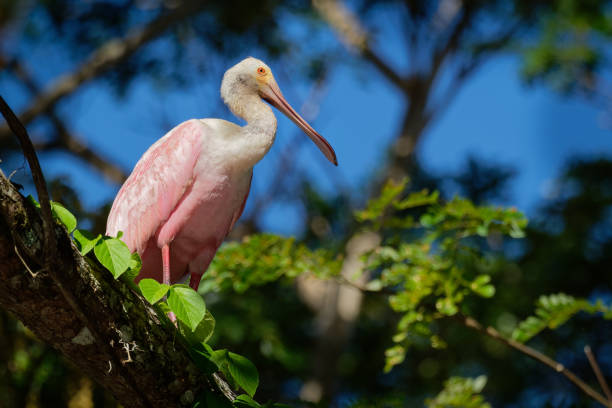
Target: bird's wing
238,213
157,184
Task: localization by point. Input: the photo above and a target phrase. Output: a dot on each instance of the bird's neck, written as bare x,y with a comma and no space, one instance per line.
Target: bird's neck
257,136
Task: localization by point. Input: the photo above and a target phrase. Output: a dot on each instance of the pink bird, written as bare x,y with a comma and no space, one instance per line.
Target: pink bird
190,187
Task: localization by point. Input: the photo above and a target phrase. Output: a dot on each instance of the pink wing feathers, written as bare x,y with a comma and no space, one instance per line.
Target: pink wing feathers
156,185
238,213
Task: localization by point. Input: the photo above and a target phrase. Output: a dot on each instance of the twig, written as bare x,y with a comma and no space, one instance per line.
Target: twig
536,355
224,387
107,55
598,373
34,274
39,180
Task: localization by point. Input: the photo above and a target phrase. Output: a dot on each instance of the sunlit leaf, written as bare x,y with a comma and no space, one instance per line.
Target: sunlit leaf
85,240
460,392
152,290
114,255
65,216
187,305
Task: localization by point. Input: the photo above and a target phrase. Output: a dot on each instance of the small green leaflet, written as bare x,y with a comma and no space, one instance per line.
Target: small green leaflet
85,240
31,199
187,305
134,268
65,216
481,286
152,290
243,372
114,255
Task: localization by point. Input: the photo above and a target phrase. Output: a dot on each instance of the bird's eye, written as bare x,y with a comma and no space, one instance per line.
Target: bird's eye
261,71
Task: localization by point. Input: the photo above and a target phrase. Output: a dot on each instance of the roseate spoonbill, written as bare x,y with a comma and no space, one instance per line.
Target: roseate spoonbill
190,187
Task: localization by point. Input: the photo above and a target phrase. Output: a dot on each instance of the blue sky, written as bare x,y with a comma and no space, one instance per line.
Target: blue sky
495,118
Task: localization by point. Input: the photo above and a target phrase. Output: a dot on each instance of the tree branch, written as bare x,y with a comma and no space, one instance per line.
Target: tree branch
107,55
54,309
600,378
65,140
536,355
354,36
159,372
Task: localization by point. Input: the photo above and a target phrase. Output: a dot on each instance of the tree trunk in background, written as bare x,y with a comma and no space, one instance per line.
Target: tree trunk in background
337,306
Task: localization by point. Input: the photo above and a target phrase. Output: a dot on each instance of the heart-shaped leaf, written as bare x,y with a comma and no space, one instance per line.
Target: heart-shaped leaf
202,333
85,240
114,255
187,305
152,290
243,372
65,216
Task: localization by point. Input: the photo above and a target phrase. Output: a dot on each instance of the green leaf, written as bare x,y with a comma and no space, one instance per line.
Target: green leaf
202,333
552,311
244,401
85,240
202,356
446,306
377,206
152,290
114,255
31,199
134,268
243,372
394,356
486,291
65,216
187,305
460,392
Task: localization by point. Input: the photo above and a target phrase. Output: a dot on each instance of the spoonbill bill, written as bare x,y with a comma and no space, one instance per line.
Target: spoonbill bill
190,187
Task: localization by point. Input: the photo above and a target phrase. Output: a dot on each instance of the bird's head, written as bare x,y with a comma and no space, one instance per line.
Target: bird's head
252,77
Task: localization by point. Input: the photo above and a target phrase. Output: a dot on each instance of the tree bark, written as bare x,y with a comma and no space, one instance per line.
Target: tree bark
125,346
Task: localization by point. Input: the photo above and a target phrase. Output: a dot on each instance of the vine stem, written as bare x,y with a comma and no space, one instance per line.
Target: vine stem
536,355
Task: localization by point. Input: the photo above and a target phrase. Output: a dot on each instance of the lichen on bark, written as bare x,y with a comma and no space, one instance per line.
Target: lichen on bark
148,366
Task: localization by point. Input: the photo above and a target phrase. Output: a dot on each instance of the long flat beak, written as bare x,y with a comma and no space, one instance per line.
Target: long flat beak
273,95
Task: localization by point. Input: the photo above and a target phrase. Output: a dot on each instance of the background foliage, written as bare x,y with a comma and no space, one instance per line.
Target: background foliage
364,306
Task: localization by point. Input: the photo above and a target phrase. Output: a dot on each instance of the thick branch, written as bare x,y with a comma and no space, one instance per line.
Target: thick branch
136,356
108,55
536,355
113,337
354,36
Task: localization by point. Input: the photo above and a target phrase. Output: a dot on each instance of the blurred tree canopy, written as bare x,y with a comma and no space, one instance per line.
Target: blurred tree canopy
372,305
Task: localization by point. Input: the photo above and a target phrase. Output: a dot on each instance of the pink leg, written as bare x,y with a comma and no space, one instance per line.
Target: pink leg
194,280
166,273
166,264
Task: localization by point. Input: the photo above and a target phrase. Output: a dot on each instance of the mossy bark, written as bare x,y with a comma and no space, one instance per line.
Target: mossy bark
123,344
